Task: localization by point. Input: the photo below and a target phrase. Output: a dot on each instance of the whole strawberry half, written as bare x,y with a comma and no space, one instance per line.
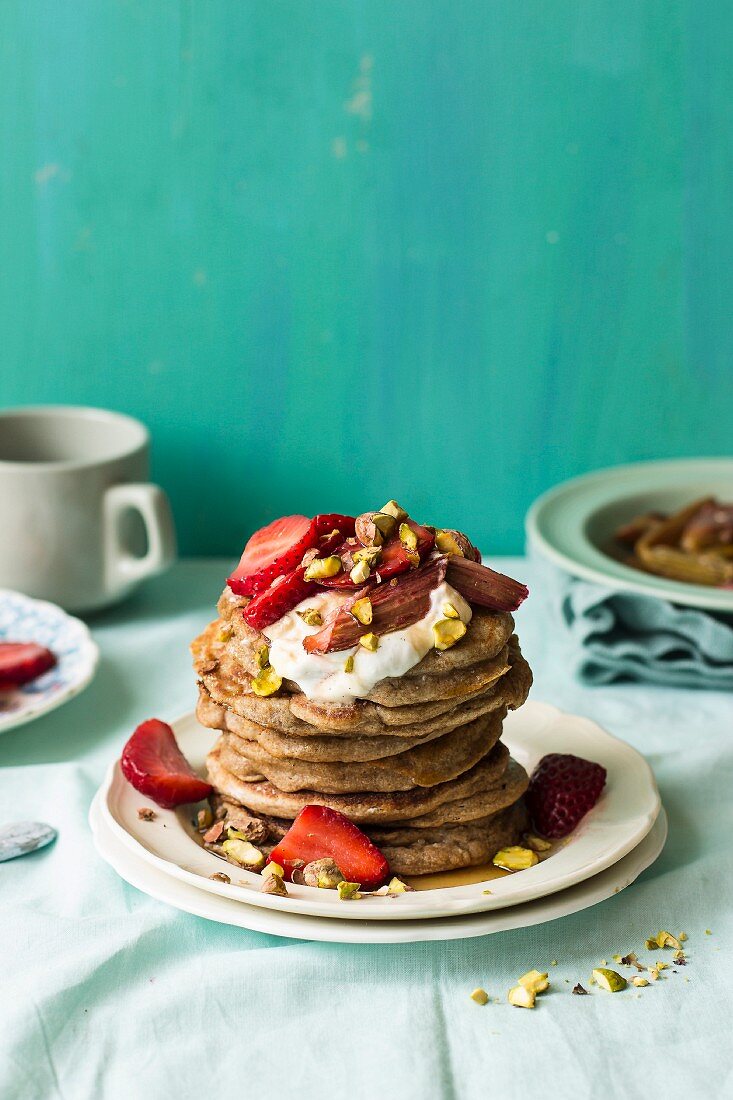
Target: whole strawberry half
282,596
562,789
153,763
278,549
21,662
318,832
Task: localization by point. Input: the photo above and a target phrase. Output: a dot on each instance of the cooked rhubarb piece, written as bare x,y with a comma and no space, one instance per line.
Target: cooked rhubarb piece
483,586
318,832
562,789
21,662
282,596
278,549
394,606
397,555
155,766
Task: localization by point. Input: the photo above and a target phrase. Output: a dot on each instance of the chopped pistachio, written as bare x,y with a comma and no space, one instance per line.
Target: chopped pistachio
219,877
392,508
661,966
225,634
244,853
609,980
450,612
653,973
447,543
639,981
204,818
146,814
447,632
323,567
480,996
397,886
616,958
348,891
263,656
536,843
708,932
631,960
323,873
682,937
553,962
266,682
521,997
579,991
515,858
362,610
349,663
369,554
385,524
360,572
651,945
534,981
235,834
666,939
311,616
369,642
408,538
487,891
274,884
273,869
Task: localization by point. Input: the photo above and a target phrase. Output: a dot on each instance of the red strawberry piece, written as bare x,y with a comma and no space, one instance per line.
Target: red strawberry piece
282,596
21,662
272,551
483,586
562,790
319,832
155,766
393,560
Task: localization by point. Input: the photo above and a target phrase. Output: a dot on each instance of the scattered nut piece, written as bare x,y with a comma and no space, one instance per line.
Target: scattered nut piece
360,572
680,958
609,980
225,634
578,989
639,981
408,538
248,827
682,937
244,853
450,612
146,814
362,610
311,616
262,656
219,877
447,543
392,508
616,958
553,962
396,886
631,960
708,932
348,891
651,945
653,973
536,843
204,818
320,568
369,642
349,663
274,884
447,632
480,996
369,554
534,981
515,859
323,873
486,891
266,682
661,966
666,939
521,997
212,835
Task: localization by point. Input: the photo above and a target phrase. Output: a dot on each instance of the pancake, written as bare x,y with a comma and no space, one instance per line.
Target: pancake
437,762
488,776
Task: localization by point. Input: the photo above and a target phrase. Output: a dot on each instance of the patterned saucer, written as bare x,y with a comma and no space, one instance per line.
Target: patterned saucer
23,619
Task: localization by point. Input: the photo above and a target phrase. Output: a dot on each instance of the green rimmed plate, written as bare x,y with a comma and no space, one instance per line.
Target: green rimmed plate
573,524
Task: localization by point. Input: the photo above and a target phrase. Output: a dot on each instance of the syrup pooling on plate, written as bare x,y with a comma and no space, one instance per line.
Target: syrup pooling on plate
323,675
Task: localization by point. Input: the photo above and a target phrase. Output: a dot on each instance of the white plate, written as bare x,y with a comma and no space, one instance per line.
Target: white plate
573,523
624,815
147,878
23,619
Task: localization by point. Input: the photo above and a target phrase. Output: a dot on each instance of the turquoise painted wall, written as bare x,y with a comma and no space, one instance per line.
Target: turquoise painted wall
451,251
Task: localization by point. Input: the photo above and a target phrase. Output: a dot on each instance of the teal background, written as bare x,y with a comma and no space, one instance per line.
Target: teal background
451,252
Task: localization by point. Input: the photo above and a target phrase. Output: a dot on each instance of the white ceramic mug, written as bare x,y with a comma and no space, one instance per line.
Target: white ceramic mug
73,492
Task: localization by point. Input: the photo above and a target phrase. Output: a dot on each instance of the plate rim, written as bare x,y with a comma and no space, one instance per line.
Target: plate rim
69,691
612,881
417,907
617,576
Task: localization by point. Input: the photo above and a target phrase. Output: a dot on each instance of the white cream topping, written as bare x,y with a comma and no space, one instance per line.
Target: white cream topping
322,675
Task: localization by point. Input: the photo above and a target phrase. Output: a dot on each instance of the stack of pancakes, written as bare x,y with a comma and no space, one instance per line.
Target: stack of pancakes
418,765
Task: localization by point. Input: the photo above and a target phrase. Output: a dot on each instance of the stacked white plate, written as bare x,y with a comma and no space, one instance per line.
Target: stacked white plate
614,843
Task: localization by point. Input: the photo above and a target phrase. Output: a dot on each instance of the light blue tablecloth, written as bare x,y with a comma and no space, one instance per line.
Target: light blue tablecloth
109,994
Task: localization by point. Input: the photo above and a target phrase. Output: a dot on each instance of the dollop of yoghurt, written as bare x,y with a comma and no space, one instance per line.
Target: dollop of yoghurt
322,675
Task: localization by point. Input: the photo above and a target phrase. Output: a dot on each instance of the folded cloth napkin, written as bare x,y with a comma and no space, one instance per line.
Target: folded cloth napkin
624,636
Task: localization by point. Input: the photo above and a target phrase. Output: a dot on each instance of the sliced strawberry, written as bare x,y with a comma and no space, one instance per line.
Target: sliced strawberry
282,596
279,548
562,789
483,586
394,606
271,551
21,662
319,832
155,766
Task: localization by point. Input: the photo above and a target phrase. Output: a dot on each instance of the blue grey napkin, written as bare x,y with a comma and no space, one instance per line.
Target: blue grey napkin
625,636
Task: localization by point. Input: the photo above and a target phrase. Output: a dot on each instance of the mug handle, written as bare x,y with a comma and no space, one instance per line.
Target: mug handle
123,568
